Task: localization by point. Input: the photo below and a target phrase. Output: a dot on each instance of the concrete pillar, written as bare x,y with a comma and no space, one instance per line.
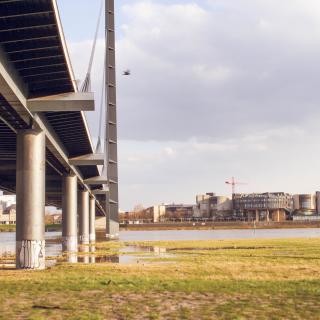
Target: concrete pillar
92,221
268,216
84,217
30,190
69,214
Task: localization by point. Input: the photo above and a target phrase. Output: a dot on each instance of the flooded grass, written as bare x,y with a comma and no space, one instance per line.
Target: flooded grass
238,279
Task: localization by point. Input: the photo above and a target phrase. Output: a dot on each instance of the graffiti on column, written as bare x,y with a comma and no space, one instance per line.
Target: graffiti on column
32,254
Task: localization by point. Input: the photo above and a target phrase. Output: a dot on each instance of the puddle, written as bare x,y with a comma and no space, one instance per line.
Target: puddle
126,255
118,259
221,248
144,249
87,254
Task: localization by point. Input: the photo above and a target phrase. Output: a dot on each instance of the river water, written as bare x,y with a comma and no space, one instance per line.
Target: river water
164,235
53,245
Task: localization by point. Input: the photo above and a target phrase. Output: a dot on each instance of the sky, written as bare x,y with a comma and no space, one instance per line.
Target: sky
219,88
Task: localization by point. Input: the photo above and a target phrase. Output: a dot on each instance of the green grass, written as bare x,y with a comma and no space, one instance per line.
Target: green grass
12,227
244,279
7,227
53,227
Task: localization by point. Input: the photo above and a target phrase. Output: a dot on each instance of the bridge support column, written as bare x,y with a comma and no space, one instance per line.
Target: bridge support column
69,214
92,222
30,190
84,217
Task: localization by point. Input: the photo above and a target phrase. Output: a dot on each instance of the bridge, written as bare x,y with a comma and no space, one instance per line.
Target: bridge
47,155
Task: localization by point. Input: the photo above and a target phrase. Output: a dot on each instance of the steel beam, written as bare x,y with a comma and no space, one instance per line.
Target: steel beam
100,191
96,180
35,38
24,14
72,101
93,159
21,59
23,28
30,188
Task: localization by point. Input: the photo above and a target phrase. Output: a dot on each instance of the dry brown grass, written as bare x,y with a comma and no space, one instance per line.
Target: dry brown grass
250,279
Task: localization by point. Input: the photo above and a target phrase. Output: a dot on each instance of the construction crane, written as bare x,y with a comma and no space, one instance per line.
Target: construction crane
233,183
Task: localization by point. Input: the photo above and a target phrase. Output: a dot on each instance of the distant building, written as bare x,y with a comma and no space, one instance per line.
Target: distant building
210,205
57,218
268,206
8,215
306,204
275,206
137,217
166,212
178,211
158,212
7,200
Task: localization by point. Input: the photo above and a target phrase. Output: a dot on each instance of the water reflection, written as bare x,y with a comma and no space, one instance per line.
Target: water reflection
88,254
183,235
135,254
149,249
127,255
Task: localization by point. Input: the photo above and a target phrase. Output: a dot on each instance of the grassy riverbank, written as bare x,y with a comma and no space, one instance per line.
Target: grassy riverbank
7,227
191,226
228,225
53,227
249,279
12,227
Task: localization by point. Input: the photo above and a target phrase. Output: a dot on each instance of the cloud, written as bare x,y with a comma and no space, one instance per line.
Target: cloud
221,70
233,67
219,88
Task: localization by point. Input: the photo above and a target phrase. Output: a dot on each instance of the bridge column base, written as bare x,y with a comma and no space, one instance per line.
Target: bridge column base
112,219
69,214
70,244
31,254
30,190
112,230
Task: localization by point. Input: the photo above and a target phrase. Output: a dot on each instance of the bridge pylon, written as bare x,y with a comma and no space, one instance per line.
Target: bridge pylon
111,164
